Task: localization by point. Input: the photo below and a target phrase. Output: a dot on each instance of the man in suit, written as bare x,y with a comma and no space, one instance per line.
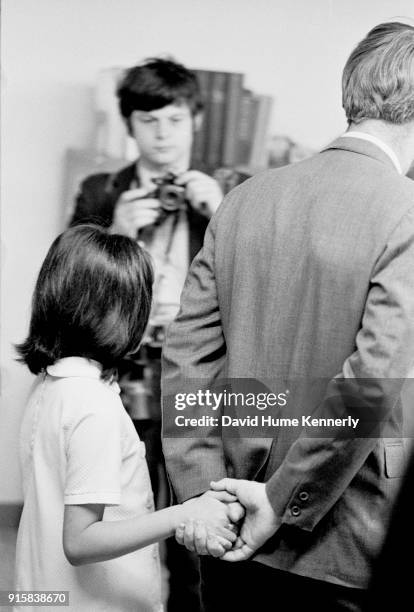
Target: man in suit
306,274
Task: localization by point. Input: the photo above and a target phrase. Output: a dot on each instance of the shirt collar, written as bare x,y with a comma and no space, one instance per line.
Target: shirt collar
79,367
379,143
75,366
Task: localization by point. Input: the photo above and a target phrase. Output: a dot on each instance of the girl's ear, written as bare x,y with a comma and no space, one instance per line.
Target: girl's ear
198,121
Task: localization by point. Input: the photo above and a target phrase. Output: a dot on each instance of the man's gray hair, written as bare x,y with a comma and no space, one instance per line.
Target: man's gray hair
378,78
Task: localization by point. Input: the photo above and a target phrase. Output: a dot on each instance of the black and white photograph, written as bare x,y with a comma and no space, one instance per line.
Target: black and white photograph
206,305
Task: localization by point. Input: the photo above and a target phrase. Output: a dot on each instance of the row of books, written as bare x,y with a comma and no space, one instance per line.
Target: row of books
234,132
236,123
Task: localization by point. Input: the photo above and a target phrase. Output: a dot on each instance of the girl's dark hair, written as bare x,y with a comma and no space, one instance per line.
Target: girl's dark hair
92,299
155,84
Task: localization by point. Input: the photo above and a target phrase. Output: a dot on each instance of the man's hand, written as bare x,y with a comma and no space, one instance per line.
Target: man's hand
210,523
133,211
235,511
202,191
260,522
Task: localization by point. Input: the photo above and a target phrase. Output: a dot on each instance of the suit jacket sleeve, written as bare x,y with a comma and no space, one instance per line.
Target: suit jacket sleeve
193,357
316,471
92,204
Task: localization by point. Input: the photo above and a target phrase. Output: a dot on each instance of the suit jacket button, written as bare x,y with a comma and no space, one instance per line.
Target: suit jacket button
303,496
295,510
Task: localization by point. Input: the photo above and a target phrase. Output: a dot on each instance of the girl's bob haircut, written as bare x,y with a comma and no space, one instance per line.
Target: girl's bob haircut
92,299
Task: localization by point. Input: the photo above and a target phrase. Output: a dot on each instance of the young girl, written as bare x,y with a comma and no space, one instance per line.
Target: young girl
87,494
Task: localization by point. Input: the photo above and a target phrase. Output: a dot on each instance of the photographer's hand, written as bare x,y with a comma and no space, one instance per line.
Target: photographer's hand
133,211
202,191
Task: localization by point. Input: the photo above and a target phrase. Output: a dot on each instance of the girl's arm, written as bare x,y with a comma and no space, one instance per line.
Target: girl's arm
88,539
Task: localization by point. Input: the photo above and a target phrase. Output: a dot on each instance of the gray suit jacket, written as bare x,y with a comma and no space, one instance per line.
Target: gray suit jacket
306,271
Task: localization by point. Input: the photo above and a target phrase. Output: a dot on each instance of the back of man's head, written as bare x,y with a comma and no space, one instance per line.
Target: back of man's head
378,78
157,83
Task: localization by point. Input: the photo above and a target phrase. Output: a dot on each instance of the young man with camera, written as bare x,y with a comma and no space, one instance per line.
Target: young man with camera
166,205
161,105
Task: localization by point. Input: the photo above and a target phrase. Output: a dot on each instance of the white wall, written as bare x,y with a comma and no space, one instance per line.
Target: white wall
51,52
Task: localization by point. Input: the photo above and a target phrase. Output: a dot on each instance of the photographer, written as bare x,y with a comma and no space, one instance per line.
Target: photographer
166,205
161,105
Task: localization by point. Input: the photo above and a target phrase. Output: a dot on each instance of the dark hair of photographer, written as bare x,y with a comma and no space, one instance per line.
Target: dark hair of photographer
155,84
92,299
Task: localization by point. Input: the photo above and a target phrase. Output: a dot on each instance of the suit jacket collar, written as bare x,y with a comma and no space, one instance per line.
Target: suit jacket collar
361,147
120,181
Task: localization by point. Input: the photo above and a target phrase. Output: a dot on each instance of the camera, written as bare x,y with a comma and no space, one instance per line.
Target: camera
171,196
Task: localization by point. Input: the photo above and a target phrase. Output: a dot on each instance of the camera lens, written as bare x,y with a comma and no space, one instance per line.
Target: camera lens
171,197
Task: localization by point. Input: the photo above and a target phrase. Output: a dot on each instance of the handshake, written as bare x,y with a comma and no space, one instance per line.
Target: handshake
230,521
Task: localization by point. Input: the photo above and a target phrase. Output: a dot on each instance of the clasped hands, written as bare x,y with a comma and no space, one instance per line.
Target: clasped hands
231,520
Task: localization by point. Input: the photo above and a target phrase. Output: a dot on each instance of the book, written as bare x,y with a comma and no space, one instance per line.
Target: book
259,153
216,119
215,144
200,136
247,119
234,91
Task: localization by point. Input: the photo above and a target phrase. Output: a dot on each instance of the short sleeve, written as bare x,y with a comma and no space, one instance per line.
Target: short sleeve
93,458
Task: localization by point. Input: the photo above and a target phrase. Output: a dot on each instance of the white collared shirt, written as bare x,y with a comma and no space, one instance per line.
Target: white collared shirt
79,446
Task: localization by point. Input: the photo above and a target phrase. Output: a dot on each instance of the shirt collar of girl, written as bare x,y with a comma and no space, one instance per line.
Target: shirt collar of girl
75,366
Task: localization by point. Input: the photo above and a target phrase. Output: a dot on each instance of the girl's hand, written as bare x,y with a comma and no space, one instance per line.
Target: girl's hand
210,527
195,536
212,511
